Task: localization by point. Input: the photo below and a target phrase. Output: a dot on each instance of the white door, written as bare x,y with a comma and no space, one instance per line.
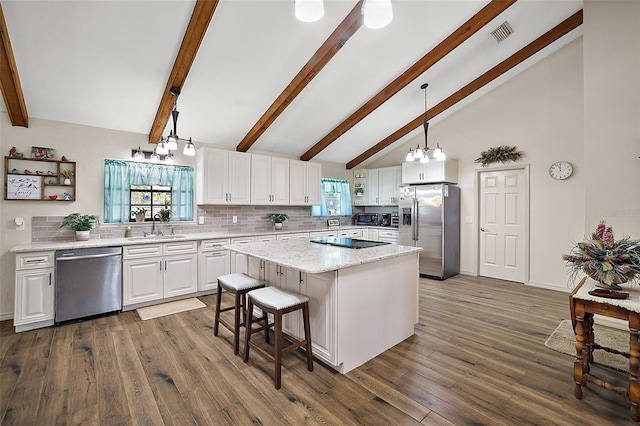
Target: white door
503,224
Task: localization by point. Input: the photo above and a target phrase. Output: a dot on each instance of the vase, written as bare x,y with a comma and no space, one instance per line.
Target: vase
278,225
67,182
82,235
608,281
140,217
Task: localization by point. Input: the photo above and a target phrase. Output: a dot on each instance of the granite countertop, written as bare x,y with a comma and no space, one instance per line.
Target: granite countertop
106,242
313,258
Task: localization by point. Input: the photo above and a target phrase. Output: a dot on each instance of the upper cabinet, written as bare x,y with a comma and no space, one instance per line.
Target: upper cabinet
304,181
223,177
377,187
431,172
269,180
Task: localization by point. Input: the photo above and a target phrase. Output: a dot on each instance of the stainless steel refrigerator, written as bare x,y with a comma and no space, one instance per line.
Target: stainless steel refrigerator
429,217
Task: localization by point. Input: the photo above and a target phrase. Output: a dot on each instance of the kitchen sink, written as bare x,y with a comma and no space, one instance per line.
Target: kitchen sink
157,237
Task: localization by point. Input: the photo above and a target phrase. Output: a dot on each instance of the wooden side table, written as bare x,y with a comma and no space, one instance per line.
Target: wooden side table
583,306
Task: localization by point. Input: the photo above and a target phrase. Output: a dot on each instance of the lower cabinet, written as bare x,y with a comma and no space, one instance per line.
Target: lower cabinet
239,261
320,289
350,233
213,261
34,290
159,271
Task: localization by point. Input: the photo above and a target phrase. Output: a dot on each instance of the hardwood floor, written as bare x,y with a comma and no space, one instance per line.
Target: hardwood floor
477,358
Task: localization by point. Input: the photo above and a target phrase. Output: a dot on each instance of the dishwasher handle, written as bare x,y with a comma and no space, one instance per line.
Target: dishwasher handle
91,256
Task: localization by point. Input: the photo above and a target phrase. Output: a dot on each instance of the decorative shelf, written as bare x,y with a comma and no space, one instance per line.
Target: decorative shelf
48,185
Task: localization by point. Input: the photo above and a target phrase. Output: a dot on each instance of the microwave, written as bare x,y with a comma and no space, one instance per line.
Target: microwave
366,219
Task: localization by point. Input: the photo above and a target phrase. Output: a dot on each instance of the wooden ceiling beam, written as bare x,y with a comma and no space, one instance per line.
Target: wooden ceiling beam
10,80
526,52
197,28
446,46
323,55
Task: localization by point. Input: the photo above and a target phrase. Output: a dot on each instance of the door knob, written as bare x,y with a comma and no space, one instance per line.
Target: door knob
483,230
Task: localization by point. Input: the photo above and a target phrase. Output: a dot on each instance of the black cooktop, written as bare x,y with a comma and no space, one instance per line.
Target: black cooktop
352,243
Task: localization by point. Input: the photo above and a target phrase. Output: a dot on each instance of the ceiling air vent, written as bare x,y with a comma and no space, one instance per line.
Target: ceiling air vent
502,32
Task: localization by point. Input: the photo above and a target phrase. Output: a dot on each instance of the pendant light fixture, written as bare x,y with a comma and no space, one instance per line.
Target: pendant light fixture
377,13
170,143
138,155
309,10
420,154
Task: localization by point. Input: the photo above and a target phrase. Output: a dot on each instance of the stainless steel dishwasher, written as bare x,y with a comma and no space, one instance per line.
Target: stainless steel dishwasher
88,282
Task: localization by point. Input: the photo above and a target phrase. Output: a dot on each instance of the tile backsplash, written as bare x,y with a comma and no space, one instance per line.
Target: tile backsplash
216,219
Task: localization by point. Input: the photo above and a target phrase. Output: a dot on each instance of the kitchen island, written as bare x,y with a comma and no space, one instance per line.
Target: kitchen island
362,302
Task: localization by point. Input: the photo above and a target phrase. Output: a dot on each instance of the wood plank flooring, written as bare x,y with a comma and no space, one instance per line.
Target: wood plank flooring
477,358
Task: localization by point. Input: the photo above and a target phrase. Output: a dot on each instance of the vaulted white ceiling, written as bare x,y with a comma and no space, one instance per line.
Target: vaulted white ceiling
106,64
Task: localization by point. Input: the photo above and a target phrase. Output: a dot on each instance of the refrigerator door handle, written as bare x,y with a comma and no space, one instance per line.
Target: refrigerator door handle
415,220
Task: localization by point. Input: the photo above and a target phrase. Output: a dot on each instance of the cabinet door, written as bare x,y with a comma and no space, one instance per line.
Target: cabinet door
350,233
239,261
239,178
320,289
413,172
212,176
256,268
261,180
389,181
372,187
313,180
212,265
297,182
180,275
34,296
280,181
142,280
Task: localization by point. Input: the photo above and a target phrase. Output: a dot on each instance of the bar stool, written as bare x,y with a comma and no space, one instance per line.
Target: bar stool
238,284
272,300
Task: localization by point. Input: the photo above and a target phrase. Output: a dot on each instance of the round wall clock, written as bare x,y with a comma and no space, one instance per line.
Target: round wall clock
561,170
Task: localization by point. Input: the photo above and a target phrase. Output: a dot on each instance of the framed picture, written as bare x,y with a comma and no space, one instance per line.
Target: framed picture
21,187
43,153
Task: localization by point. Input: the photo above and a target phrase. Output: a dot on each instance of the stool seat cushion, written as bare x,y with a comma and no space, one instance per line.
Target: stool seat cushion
239,281
275,298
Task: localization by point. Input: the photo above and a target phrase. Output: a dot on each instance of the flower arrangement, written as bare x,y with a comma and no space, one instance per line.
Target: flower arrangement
604,259
66,173
502,154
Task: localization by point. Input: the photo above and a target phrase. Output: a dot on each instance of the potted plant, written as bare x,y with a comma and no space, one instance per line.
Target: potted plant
81,223
605,260
140,214
165,213
67,175
277,219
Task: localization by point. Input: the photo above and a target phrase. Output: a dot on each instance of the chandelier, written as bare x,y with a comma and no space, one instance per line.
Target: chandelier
420,154
170,143
376,13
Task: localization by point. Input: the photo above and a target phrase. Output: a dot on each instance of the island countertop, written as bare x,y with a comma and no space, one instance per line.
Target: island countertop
313,258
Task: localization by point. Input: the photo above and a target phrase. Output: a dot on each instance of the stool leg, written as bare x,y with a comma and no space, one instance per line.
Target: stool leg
278,348
307,335
216,322
248,329
236,325
265,315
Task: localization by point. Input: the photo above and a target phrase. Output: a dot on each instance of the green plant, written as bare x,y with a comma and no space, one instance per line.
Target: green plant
165,213
79,222
604,259
502,154
277,217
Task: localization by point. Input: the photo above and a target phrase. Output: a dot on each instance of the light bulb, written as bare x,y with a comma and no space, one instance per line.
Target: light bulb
138,155
169,158
377,13
409,156
418,153
189,149
154,156
172,142
424,159
309,10
162,148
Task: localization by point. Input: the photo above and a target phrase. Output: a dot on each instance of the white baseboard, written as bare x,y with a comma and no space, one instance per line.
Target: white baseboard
6,316
562,288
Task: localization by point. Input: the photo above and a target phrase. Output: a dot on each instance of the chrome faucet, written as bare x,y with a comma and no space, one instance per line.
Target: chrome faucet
154,231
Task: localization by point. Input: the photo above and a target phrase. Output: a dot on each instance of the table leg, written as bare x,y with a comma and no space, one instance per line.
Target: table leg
581,362
634,352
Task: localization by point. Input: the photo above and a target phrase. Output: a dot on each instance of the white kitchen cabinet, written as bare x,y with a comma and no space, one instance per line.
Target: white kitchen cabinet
389,236
370,234
300,235
432,172
239,261
269,180
34,290
350,233
389,181
223,177
304,181
158,271
323,234
264,238
213,261
371,190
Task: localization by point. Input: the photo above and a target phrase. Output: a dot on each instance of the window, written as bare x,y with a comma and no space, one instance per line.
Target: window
150,198
336,199
129,185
